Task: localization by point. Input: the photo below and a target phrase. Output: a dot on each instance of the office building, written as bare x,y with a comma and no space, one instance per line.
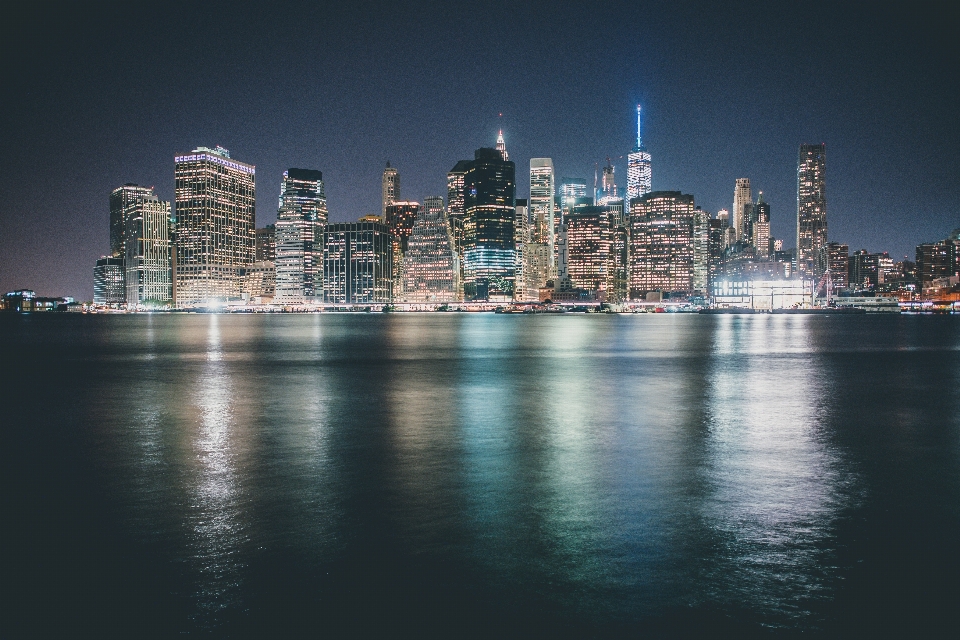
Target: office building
109,282
701,250
811,208
589,250
836,257
760,227
146,255
937,260
301,218
742,196
391,188
431,271
661,243
266,244
521,238
400,217
639,172
870,270
121,199
215,232
357,263
488,244
543,218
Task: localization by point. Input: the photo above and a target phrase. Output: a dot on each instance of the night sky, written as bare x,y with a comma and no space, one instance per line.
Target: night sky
96,97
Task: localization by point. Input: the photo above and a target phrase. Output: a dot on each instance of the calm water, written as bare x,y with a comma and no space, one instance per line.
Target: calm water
449,473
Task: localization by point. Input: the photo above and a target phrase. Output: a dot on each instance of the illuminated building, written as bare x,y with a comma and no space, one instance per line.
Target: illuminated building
121,199
357,263
701,250
301,218
400,216
661,243
542,219
215,229
266,244
109,282
391,188
608,189
761,227
146,255
811,208
936,260
521,238
589,240
431,271
573,192
502,147
488,243
456,207
259,281
742,196
836,257
619,265
639,172
716,244
760,294
869,270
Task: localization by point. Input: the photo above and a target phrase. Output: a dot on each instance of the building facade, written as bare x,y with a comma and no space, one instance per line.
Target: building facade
811,207
836,257
430,266
761,227
121,199
391,188
146,255
400,217
301,219
661,243
109,282
357,263
266,244
215,225
742,197
589,251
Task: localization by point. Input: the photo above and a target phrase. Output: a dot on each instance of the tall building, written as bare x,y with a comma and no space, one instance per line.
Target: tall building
608,186
357,263
811,207
488,244
661,243
542,218
521,239
701,250
430,266
502,147
869,270
716,245
215,225
589,244
266,244
639,171
400,217
937,260
301,218
146,255
742,196
836,257
109,282
121,199
761,227
391,187
573,192
456,207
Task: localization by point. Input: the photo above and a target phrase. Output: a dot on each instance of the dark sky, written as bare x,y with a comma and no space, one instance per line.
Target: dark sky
94,97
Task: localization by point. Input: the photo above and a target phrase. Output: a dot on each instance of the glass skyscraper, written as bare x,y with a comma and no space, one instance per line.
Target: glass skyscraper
357,263
661,243
391,188
146,254
489,253
639,167
430,265
215,225
301,218
811,208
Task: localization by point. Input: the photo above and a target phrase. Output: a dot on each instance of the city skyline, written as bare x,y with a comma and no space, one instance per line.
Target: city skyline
701,134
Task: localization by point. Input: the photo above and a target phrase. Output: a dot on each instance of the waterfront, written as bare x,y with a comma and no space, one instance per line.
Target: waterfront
480,472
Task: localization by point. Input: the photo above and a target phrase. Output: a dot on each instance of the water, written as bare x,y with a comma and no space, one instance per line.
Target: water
441,474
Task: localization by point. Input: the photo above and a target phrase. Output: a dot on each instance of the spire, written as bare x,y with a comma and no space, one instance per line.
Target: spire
639,135
501,146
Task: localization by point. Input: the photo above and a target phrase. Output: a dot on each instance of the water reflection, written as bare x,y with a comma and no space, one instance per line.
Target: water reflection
776,485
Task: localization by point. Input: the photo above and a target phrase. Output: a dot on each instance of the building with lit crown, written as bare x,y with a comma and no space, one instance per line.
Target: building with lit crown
639,167
215,225
488,234
301,219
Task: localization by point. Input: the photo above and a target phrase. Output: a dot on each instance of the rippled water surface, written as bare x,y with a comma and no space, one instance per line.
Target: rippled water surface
447,473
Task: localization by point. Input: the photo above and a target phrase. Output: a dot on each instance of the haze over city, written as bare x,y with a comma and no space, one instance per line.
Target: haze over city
98,97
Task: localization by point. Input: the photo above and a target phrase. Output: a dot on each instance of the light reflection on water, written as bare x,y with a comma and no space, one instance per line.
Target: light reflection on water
611,467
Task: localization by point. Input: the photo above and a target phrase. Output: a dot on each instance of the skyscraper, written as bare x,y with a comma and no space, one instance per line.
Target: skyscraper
400,216
357,263
266,244
761,226
639,171
811,208
742,197
430,269
573,191
542,219
502,146
301,218
488,253
608,186
146,256
109,282
521,240
661,243
456,207
391,187
121,199
215,225
589,241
